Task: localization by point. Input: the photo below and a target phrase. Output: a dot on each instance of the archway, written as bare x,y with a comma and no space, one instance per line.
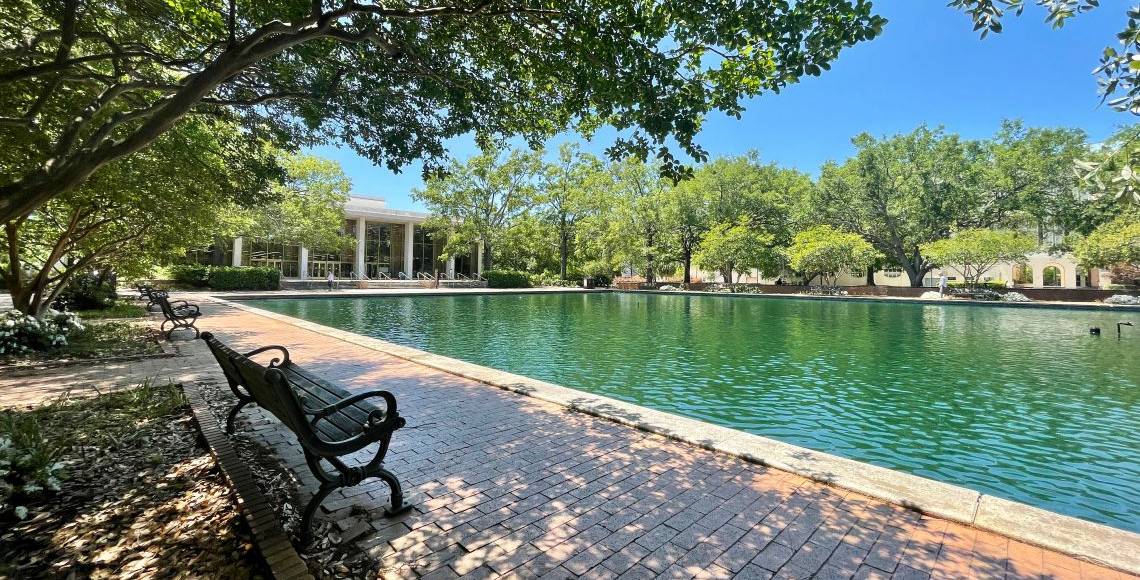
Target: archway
1051,276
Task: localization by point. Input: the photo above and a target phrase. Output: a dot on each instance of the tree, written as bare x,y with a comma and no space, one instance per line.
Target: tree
687,215
725,189
1032,170
307,208
480,199
973,252
1112,244
907,190
636,229
1117,173
738,247
136,212
86,83
569,195
824,251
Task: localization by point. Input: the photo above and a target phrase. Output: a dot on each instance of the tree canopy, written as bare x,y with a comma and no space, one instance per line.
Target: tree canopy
138,211
826,252
903,191
86,83
306,208
480,199
974,252
1115,243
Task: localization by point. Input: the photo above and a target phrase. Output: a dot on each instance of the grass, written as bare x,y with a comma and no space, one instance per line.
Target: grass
121,309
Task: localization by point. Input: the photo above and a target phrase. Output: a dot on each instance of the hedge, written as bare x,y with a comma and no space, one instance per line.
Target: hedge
195,275
243,278
991,285
506,279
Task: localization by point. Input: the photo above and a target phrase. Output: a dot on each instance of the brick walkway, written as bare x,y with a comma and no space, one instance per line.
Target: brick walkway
509,485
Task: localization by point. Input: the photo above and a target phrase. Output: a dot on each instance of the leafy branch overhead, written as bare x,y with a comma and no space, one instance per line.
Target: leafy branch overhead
1117,171
84,83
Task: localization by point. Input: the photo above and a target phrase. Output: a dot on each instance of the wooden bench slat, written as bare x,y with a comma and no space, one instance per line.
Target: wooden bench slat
358,412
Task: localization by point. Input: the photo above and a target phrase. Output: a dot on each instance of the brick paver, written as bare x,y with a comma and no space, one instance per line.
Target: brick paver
507,485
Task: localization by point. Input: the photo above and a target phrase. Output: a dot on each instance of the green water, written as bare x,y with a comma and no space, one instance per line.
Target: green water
1019,403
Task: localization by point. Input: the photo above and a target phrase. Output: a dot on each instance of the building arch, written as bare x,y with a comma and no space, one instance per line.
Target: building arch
1052,276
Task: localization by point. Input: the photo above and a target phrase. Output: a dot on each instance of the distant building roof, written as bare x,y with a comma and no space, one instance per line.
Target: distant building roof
369,207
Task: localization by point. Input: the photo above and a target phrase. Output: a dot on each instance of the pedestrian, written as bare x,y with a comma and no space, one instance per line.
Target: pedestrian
330,279
942,285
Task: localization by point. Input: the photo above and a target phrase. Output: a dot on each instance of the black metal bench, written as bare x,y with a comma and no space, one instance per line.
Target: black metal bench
148,293
177,313
329,421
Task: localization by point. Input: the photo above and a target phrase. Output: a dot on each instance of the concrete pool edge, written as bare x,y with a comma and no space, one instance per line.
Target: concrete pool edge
1089,541
1094,306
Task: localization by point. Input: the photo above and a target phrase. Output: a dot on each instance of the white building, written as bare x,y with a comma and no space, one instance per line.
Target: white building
1040,270
389,244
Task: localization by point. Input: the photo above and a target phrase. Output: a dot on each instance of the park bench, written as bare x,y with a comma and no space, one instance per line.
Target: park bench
177,313
329,422
147,292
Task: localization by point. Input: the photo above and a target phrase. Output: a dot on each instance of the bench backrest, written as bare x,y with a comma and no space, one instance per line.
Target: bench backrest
279,398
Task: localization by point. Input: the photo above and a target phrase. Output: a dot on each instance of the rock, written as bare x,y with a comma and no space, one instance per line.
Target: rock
1015,297
1122,299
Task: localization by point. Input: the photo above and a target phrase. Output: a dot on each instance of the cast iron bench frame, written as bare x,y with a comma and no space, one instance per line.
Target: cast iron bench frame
177,313
328,421
148,293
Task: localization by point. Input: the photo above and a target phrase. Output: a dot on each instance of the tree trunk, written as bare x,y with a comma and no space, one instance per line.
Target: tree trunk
487,256
564,253
688,257
871,275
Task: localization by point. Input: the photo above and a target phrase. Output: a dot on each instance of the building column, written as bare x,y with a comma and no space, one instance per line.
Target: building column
237,251
304,265
361,270
479,259
409,239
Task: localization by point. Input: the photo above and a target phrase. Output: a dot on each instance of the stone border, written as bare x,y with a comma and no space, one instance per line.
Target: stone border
268,534
1097,543
901,299
399,293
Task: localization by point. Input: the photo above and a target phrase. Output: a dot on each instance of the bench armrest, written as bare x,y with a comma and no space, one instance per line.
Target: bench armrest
185,306
323,412
274,362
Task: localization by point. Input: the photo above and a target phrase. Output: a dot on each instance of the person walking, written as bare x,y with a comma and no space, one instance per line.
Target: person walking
330,279
943,283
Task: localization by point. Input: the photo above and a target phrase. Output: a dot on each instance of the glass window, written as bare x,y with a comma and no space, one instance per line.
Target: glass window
425,252
286,258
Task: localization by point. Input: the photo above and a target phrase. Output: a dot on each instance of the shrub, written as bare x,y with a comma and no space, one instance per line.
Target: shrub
506,279
28,463
243,278
991,285
195,275
603,280
20,333
87,292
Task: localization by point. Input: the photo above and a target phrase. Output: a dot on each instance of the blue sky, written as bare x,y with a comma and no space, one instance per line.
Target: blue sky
928,66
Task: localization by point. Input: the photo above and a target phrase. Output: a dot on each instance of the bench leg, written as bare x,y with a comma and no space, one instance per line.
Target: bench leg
233,415
311,510
398,505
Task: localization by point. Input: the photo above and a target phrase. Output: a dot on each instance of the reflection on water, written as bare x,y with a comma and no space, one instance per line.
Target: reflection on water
1019,403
